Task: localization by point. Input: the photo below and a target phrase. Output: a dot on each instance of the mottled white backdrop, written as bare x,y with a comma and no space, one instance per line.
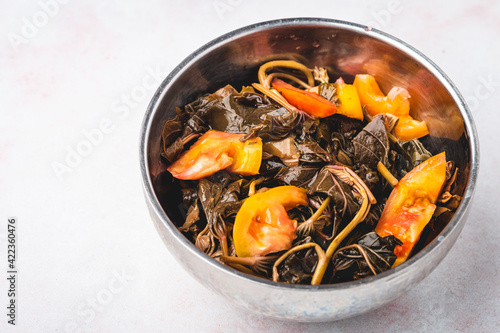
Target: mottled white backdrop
75,80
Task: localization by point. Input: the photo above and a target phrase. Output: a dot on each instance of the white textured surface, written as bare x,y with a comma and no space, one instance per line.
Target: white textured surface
91,68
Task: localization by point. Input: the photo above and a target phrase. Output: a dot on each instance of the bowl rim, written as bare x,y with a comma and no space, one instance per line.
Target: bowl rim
469,125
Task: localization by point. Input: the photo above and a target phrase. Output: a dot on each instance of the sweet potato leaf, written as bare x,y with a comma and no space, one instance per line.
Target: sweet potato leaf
412,153
341,193
370,255
299,176
298,268
275,125
371,145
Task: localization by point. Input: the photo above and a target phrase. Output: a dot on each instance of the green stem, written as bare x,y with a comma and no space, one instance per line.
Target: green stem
248,261
251,188
307,227
284,63
387,174
323,264
318,213
270,78
276,96
360,216
242,268
223,244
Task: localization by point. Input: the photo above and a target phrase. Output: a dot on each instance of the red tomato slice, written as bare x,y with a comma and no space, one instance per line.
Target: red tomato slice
306,101
412,203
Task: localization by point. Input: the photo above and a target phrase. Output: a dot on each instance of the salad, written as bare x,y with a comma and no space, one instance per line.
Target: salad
306,181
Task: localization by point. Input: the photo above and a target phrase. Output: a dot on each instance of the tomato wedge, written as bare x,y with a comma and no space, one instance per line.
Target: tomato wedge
262,225
310,102
215,151
396,102
408,128
350,105
411,204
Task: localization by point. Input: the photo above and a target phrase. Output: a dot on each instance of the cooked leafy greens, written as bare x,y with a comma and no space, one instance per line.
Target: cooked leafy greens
334,174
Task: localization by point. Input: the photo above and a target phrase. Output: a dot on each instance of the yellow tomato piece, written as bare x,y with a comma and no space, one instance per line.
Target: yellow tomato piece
350,105
396,102
215,151
247,157
262,225
408,128
411,204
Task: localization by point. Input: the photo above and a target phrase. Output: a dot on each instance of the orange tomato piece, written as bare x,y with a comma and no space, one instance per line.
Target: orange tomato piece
262,224
411,204
307,101
408,128
215,151
396,102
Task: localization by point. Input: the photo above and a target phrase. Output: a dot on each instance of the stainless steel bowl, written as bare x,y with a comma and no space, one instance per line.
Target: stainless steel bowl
346,49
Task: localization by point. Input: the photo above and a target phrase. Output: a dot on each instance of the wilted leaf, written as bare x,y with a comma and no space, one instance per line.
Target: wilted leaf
171,141
371,255
193,216
411,153
298,268
371,145
312,152
275,125
328,91
342,194
299,176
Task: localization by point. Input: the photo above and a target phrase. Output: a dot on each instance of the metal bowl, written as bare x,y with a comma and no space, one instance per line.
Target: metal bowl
345,49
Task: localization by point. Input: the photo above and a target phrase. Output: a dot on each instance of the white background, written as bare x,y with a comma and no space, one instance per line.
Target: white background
89,257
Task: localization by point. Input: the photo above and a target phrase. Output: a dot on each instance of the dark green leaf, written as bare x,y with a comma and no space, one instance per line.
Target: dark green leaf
371,145
312,152
219,202
171,141
368,176
299,176
193,216
298,268
189,194
371,255
275,125
342,148
341,193
412,153
271,166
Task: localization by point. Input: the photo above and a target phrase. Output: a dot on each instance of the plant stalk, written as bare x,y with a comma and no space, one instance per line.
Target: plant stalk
387,174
